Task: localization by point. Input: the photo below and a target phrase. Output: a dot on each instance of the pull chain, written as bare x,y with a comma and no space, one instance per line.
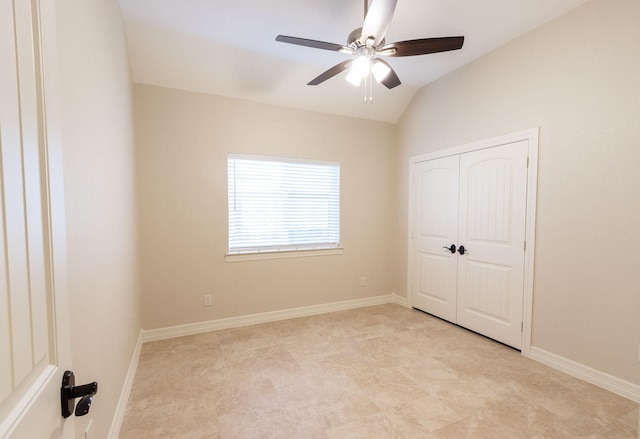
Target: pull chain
368,89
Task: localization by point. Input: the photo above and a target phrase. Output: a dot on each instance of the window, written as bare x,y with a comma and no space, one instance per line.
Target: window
279,205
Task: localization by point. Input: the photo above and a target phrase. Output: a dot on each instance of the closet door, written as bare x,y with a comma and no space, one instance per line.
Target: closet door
435,227
493,190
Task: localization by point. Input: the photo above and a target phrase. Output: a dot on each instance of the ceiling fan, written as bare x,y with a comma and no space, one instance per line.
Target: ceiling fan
368,44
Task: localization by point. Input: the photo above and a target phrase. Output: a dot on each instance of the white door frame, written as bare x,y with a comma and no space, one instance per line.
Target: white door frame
531,136
34,399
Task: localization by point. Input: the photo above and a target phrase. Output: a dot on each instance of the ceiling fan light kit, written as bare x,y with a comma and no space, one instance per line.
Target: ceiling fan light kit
380,69
360,68
367,44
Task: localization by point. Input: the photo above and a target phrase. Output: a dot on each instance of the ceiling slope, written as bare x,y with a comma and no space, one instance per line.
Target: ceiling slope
229,48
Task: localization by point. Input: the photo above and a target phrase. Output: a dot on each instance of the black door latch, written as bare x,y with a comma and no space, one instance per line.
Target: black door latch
452,249
69,392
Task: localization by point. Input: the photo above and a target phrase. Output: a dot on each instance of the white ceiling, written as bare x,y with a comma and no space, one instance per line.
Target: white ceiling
228,47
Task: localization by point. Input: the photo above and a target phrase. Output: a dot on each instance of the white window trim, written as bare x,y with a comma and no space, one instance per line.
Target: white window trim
280,159
242,257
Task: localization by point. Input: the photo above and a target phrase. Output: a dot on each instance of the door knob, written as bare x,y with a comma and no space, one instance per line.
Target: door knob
69,392
452,249
462,250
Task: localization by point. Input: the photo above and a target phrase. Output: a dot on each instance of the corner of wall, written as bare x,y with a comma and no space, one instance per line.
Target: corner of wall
121,407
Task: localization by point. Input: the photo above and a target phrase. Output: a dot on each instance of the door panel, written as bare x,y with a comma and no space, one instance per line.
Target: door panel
33,346
493,185
487,290
435,227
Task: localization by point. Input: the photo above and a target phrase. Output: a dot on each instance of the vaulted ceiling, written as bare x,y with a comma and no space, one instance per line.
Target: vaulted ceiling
228,48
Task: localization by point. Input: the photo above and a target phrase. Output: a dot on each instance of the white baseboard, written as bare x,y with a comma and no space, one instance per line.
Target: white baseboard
253,319
613,384
121,408
400,300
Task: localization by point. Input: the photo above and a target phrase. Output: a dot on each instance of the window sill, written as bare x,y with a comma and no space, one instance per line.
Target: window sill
241,257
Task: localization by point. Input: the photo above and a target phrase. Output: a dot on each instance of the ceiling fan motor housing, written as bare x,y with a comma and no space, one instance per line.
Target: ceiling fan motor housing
355,39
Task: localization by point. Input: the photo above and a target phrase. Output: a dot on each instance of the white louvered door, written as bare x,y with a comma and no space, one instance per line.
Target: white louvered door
34,338
476,200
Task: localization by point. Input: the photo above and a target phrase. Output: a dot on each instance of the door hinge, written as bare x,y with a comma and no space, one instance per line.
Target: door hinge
521,326
413,178
527,162
525,246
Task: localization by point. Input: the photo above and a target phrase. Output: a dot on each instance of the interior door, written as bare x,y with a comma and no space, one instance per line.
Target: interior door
476,200
34,336
435,229
493,191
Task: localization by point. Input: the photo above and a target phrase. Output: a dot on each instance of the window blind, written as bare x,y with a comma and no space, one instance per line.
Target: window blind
282,205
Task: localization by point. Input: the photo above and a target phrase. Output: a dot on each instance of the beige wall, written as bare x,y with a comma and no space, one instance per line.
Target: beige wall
182,141
97,135
577,78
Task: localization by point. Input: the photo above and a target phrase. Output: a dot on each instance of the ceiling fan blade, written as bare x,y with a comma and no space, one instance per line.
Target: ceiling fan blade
391,80
377,20
422,46
333,71
314,43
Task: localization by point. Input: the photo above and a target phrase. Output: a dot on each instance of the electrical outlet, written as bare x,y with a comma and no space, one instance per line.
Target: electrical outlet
208,300
363,281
